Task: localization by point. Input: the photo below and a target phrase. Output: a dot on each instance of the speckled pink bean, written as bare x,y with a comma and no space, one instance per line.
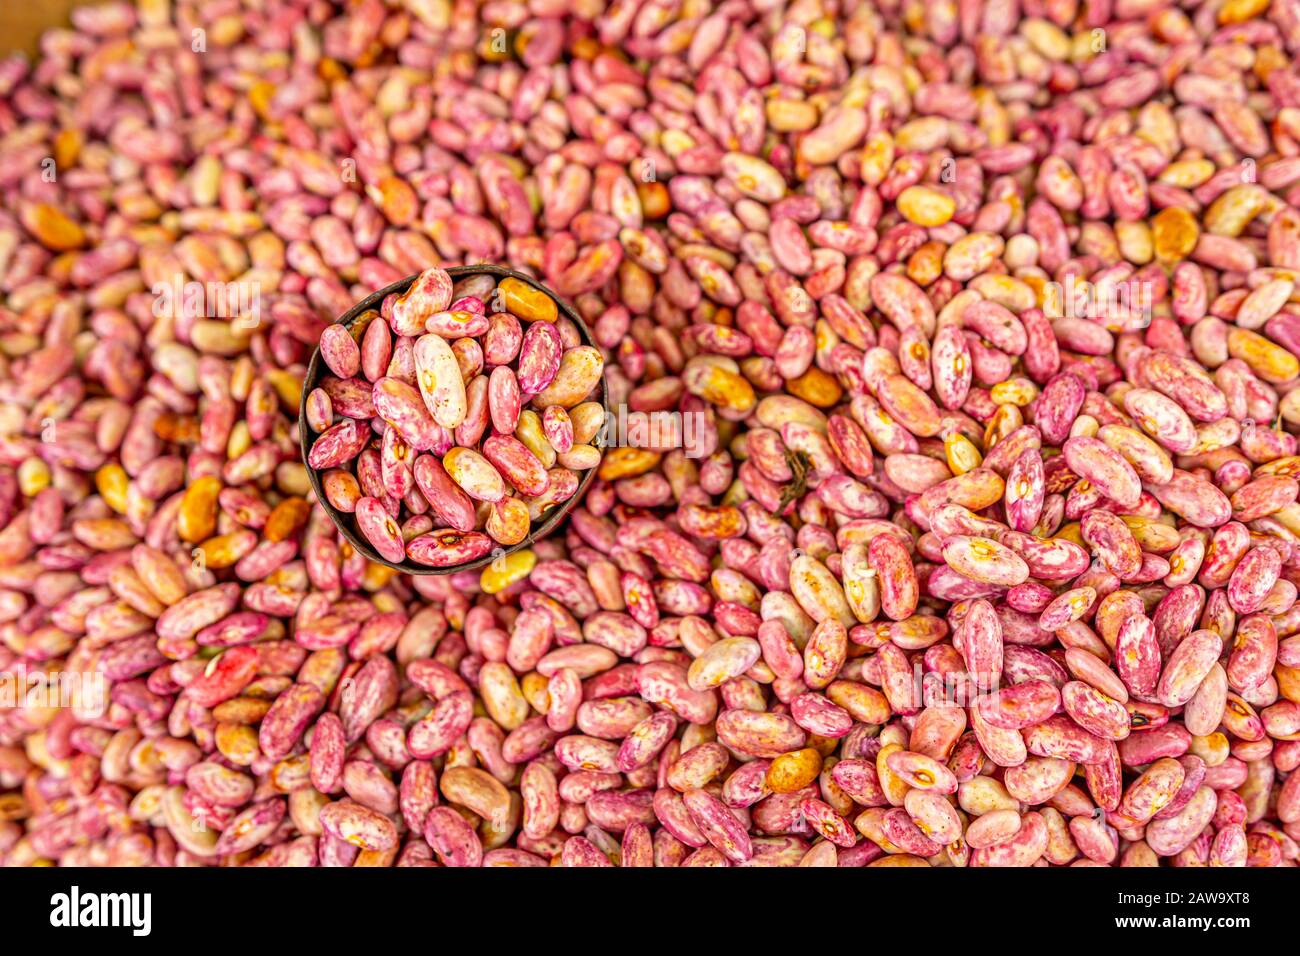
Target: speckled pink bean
338,444
1254,652
359,825
1252,579
319,410
367,695
196,611
539,357
718,825
444,496
1187,667
376,350
1020,705
504,399
340,352
1167,836
417,793
1022,849
379,528
401,405
288,718
1137,655
219,785
436,733
565,691
1095,712
251,827
558,428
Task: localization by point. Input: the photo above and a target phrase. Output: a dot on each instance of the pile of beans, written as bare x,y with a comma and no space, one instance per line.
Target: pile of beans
427,394
954,572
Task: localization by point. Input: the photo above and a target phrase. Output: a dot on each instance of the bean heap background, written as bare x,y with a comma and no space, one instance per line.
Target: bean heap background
971,569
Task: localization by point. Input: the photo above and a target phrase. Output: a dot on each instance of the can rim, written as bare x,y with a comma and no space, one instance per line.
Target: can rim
346,523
